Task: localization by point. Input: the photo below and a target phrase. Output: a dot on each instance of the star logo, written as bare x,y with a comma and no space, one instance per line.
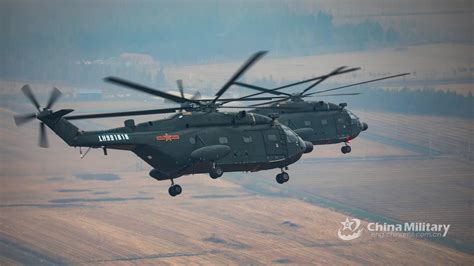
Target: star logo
346,232
167,137
347,224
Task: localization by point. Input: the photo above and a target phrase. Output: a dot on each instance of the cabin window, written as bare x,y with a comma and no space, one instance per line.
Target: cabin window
223,140
324,122
307,123
272,137
192,140
247,139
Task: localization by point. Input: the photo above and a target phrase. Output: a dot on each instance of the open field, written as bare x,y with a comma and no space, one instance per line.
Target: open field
132,220
56,207
431,181
428,135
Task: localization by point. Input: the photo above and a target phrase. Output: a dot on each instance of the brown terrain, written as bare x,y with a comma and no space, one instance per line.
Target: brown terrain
58,208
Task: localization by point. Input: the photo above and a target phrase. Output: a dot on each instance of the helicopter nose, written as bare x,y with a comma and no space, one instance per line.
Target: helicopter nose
308,147
364,126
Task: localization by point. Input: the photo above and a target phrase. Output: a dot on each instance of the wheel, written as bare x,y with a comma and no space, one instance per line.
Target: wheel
285,177
279,179
171,191
175,190
346,149
216,172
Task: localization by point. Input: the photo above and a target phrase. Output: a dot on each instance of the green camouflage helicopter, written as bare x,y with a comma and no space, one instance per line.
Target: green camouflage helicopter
197,139
318,122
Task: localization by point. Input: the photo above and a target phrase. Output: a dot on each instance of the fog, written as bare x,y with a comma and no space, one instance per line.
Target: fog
78,43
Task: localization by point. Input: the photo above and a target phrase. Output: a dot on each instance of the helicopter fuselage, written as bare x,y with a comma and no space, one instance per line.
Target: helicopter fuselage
189,143
317,122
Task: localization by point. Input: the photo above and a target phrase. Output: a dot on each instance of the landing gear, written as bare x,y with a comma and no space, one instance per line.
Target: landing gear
174,189
346,149
216,171
283,177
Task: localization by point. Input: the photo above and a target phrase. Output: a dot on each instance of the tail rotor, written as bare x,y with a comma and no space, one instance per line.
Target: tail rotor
43,136
54,96
187,102
25,118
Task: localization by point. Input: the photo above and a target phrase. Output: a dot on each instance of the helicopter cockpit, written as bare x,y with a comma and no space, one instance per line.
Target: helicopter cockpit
295,139
356,124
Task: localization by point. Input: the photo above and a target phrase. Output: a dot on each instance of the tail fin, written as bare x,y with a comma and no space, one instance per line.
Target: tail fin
62,127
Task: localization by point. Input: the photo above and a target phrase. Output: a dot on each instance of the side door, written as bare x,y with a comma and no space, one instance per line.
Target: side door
250,149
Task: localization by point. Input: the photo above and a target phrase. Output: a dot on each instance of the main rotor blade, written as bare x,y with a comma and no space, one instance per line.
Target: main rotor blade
339,94
252,60
260,107
250,86
29,94
43,137
196,95
179,82
355,84
270,102
323,78
54,96
337,71
129,113
181,91
22,119
228,100
301,82
148,90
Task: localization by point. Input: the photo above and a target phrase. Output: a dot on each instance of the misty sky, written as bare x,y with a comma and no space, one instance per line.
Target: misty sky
105,28
41,40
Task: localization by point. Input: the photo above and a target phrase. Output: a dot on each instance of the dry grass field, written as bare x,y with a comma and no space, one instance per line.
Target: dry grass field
429,135
432,180
132,220
58,208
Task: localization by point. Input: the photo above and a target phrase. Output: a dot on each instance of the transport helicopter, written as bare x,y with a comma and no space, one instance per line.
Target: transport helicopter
198,138
318,122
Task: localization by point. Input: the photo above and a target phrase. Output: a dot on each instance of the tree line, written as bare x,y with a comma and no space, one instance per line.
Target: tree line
416,101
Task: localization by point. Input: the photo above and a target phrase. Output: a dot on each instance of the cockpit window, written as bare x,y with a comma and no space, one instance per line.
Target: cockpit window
291,136
351,115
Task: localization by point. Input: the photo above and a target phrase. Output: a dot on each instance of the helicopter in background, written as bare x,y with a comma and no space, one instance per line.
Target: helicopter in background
318,122
197,139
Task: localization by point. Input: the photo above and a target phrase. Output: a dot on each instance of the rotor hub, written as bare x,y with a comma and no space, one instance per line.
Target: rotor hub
296,97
